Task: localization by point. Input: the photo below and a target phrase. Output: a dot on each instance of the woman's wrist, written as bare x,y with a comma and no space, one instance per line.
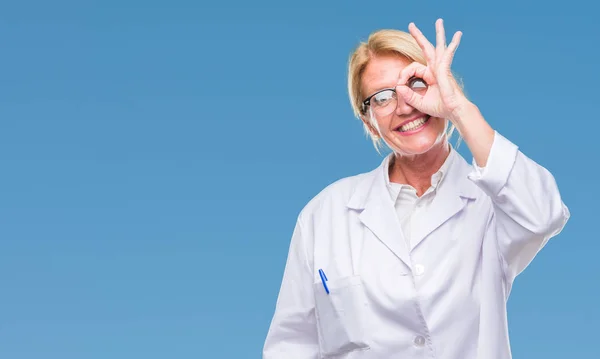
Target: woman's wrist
465,110
475,131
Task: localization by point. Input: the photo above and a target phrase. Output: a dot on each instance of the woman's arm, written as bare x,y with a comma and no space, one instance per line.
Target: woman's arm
474,130
293,331
528,209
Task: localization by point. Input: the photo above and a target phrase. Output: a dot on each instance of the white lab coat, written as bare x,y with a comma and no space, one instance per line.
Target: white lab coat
443,298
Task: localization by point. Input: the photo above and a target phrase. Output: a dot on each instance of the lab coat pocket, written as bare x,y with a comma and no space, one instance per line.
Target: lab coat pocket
342,316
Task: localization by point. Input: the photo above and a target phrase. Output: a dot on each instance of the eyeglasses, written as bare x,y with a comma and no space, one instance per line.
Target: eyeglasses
385,101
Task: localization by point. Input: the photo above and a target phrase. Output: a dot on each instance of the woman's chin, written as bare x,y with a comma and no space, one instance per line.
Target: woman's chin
417,144
413,150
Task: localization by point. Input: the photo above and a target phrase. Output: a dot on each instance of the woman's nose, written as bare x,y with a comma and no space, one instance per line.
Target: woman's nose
402,108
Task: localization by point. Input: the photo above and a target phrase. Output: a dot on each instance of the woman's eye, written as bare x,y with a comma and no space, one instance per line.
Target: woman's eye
383,97
381,100
417,84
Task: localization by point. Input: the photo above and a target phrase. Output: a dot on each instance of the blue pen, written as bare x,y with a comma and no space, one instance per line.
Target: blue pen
324,279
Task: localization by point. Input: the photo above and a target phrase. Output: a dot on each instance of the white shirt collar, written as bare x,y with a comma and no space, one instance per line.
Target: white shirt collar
436,178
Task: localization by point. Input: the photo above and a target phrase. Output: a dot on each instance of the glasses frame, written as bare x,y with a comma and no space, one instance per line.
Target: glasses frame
367,102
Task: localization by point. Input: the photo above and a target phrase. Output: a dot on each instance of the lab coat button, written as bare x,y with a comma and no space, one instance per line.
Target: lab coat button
419,341
419,269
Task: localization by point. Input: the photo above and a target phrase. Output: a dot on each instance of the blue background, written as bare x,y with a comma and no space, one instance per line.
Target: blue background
155,156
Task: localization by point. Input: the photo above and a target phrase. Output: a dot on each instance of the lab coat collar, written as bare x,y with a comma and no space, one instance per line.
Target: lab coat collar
372,198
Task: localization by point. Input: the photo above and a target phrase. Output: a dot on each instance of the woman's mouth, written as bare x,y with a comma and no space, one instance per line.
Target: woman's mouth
413,126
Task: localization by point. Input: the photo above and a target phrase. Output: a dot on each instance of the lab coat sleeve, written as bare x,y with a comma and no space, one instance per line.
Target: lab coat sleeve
292,333
527,204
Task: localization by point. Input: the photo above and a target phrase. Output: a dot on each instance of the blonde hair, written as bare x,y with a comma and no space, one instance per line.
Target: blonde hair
382,42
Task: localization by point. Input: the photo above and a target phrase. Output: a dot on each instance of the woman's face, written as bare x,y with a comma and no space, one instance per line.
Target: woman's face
405,130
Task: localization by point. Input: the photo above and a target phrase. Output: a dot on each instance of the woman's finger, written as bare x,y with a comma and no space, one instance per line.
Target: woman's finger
451,50
415,69
440,33
411,97
424,44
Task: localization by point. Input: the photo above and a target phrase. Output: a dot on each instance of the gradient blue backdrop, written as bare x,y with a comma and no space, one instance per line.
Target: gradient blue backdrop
155,155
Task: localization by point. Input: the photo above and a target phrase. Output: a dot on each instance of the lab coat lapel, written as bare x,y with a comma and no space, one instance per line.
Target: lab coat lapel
452,196
378,213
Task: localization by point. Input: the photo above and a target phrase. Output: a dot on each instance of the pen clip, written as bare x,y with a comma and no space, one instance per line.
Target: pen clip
324,280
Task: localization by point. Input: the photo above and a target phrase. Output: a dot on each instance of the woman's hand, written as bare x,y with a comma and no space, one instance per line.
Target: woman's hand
444,98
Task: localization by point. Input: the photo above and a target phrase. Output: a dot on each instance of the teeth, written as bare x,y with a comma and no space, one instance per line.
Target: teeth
413,124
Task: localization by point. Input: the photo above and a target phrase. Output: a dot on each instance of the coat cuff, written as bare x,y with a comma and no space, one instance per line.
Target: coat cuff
492,178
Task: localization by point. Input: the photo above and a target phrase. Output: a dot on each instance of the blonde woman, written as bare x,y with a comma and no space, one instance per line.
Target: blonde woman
416,258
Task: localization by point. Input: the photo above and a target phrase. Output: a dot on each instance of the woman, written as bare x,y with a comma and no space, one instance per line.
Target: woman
415,259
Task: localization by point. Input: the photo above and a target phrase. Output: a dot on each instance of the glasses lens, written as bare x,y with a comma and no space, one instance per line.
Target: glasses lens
384,103
417,84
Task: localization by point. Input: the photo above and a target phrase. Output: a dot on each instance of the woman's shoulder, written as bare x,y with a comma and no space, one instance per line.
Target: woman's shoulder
335,195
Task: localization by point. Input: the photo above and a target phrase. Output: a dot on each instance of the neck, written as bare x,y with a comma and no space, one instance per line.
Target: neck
417,170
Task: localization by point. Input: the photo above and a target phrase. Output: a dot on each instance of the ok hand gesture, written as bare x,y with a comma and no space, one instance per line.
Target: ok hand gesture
444,97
